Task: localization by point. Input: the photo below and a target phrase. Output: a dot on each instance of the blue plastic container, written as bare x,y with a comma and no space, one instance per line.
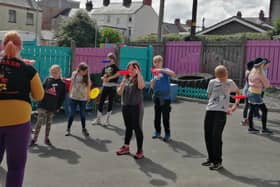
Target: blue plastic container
173,91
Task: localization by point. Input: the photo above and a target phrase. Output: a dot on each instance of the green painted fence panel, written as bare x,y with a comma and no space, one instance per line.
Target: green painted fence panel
46,56
141,54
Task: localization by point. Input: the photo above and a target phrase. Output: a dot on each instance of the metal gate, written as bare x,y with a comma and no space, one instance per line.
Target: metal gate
228,53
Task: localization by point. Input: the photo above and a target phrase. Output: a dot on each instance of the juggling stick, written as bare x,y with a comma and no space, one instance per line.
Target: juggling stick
106,61
239,97
28,61
124,72
154,72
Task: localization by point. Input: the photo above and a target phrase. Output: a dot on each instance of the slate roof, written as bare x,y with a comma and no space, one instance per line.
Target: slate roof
21,3
252,23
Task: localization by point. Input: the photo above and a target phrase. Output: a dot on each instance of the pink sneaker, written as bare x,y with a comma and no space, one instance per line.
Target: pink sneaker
139,155
123,150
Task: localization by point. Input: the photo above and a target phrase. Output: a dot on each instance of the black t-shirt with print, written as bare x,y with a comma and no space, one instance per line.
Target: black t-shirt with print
109,71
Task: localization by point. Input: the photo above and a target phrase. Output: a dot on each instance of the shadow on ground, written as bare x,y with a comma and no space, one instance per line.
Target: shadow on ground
186,150
250,181
51,151
149,167
97,144
113,128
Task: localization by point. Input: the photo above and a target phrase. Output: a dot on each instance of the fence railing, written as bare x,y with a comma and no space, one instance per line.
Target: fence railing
92,56
270,50
45,56
182,57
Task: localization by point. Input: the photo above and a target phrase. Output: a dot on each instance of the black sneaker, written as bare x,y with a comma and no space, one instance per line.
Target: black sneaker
266,131
216,166
206,163
85,132
156,135
253,130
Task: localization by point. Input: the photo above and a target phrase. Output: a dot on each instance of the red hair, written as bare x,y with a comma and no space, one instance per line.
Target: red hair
12,44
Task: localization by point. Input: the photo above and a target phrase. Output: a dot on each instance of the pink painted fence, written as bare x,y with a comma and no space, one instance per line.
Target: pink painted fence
269,49
183,57
92,56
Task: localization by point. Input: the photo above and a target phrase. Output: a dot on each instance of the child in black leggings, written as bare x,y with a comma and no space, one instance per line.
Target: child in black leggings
132,100
109,78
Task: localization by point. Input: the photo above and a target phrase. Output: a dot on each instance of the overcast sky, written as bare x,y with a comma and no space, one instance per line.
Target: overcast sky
212,10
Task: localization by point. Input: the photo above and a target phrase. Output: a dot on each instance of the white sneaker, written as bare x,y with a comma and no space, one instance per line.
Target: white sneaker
107,122
97,121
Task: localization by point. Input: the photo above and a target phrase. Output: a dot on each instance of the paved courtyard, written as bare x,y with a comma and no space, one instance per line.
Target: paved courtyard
75,161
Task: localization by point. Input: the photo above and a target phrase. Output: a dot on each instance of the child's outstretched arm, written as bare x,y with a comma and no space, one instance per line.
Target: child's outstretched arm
169,72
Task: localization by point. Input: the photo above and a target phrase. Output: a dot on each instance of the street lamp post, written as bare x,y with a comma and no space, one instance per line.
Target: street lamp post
160,20
194,10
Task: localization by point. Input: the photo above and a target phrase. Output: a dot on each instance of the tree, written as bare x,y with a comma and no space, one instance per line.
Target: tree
79,28
276,24
109,35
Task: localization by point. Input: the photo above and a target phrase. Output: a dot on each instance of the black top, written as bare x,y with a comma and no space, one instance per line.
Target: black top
109,71
15,79
131,94
55,91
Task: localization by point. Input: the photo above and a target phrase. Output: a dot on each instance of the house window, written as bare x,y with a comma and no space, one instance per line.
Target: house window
130,19
118,21
29,19
12,16
108,19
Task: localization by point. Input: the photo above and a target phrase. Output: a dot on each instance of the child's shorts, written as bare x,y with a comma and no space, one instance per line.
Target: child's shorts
254,98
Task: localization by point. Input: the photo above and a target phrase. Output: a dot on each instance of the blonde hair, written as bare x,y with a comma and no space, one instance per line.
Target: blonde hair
221,71
55,67
258,70
158,58
12,44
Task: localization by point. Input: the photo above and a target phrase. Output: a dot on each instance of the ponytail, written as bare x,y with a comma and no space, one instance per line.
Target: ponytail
10,49
12,44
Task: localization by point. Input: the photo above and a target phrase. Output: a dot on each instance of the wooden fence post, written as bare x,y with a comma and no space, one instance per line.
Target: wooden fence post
73,49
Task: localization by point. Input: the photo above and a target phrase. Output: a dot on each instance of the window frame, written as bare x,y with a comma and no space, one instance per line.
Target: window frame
29,13
11,13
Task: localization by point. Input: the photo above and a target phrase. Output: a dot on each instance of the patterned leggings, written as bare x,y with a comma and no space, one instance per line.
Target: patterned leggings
44,117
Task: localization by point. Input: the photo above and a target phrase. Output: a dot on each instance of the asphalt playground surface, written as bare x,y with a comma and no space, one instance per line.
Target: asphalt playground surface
250,160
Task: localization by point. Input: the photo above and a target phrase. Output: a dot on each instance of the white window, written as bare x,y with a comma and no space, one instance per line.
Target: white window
29,19
108,19
118,21
12,16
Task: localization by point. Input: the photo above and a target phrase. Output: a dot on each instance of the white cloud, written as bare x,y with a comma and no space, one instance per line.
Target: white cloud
212,10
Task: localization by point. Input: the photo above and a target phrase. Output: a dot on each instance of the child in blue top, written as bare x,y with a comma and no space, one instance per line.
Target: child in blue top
160,84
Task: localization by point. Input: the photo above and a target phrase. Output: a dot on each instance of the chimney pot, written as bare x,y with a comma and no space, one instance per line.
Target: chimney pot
177,21
147,2
261,15
239,14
